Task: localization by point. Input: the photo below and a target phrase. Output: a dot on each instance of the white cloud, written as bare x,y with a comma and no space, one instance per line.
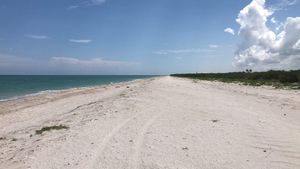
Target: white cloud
162,52
181,51
282,4
10,64
80,40
7,60
273,20
260,47
214,46
88,62
229,30
38,37
72,65
297,45
87,3
74,7
97,2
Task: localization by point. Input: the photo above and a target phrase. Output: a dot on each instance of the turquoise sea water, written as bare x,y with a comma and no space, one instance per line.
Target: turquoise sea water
12,86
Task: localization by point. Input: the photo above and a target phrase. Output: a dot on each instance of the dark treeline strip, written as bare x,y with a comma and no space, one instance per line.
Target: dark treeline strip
277,78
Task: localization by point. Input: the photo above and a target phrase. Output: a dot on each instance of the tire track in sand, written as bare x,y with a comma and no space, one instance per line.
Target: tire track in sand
107,138
134,163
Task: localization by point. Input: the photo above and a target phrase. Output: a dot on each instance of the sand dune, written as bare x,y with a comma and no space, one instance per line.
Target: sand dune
155,123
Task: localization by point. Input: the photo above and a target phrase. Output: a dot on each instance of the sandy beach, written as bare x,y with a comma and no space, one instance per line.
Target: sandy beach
158,123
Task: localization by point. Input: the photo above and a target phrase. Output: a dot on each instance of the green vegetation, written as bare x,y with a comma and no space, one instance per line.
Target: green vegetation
48,128
276,78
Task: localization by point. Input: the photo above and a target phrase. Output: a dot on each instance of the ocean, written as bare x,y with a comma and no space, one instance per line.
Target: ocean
14,86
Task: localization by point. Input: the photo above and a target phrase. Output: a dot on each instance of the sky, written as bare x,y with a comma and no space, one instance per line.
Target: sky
148,37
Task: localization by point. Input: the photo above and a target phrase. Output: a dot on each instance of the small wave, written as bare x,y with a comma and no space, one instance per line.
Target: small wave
65,89
30,94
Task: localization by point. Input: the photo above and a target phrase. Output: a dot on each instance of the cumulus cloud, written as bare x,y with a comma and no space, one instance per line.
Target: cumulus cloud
80,40
229,30
38,37
260,47
273,20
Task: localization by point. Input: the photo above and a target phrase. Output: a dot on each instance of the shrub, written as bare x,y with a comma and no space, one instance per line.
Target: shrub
272,77
48,128
288,78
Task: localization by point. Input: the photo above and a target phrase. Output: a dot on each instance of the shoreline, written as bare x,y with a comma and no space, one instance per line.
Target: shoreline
39,92
66,90
161,122
45,96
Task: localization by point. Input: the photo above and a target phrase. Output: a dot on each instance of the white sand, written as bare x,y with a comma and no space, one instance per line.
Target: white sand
156,123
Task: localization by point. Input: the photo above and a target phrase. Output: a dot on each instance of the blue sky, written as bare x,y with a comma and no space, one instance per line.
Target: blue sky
132,36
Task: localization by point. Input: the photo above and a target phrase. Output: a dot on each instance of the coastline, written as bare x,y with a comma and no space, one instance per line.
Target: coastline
60,84
160,122
50,95
62,90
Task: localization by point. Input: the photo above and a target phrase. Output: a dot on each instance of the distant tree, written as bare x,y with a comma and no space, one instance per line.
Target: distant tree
248,70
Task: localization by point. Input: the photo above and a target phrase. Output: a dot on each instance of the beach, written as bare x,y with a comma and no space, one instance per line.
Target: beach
156,123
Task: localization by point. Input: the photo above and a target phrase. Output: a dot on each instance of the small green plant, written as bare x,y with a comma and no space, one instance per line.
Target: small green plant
215,121
48,128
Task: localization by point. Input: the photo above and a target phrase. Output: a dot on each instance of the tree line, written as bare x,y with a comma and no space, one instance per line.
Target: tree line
250,77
